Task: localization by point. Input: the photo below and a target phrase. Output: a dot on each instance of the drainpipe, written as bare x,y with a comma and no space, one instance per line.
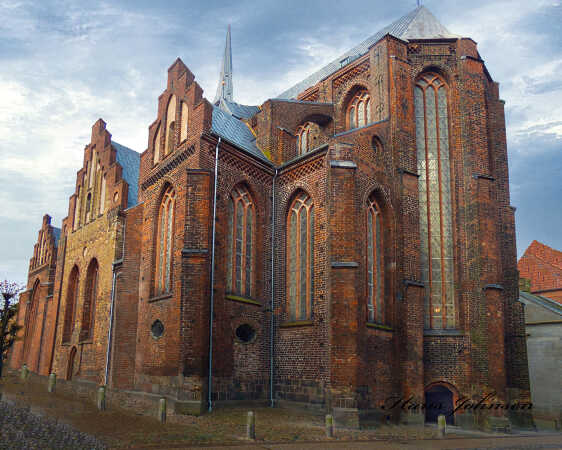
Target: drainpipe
112,307
213,275
53,349
109,333
272,315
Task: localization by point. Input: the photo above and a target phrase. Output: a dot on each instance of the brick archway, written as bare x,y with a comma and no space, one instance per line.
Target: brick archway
440,398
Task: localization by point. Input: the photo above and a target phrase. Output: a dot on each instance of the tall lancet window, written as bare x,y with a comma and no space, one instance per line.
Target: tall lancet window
436,230
241,219
165,242
375,287
300,257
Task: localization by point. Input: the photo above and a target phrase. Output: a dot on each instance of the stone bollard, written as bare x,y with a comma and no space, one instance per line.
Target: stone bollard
52,383
251,425
329,425
162,410
101,398
24,372
441,425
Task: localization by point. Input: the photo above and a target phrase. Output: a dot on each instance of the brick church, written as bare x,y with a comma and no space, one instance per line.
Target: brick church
348,242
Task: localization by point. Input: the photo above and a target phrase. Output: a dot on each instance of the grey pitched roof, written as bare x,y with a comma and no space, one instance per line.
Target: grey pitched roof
129,160
236,132
545,302
418,24
56,234
237,110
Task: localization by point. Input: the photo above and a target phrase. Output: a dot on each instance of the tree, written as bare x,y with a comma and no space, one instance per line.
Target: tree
8,326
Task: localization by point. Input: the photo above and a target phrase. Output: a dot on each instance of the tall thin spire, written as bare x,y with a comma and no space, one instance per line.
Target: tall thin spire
224,89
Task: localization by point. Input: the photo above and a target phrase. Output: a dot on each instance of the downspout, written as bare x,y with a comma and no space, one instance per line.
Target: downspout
109,333
271,307
58,304
112,307
213,275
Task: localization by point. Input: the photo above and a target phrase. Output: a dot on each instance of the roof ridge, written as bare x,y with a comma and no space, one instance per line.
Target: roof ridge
399,29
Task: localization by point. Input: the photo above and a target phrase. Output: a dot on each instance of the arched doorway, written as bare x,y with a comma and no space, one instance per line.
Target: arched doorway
70,367
439,400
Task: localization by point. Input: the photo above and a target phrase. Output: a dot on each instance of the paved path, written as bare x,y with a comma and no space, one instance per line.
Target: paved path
534,441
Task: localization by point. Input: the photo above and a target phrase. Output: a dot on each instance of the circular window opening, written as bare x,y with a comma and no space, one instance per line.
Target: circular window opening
245,333
157,329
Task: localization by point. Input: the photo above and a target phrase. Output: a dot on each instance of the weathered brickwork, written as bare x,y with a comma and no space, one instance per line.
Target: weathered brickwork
155,260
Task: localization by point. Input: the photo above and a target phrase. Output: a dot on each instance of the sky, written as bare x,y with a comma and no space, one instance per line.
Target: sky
65,64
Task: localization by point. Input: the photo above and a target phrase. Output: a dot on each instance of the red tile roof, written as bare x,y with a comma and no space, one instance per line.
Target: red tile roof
543,266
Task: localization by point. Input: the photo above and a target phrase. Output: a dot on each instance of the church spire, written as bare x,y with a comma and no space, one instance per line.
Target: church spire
224,89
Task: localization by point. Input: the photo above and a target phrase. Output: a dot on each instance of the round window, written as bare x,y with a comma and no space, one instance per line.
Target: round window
245,333
157,329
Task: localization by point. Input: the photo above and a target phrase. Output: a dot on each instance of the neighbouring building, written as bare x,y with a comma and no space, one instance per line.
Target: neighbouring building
347,242
542,267
541,273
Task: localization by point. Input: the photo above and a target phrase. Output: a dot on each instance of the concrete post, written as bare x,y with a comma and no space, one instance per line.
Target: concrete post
52,383
101,398
329,425
441,425
251,425
162,410
24,372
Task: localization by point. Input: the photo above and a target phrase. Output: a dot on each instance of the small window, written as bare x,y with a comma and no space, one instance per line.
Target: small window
245,333
304,138
359,110
157,329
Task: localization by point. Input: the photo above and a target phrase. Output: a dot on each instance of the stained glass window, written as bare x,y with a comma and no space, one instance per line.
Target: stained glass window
165,242
359,110
303,138
436,234
240,243
375,288
300,264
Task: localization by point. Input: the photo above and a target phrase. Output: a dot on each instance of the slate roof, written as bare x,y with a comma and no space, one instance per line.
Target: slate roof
236,132
237,110
418,24
129,160
545,302
56,234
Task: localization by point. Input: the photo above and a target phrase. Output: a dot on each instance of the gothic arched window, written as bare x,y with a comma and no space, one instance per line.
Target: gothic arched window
303,138
436,229
165,241
90,295
241,226
184,121
170,126
375,264
71,298
156,144
359,110
300,257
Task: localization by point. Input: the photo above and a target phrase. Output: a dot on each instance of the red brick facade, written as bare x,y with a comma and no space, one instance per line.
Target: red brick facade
336,359
542,266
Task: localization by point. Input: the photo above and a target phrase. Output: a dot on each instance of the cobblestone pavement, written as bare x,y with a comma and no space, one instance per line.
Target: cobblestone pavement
21,429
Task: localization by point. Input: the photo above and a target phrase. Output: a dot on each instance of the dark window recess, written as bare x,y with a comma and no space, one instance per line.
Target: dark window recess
157,329
245,333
